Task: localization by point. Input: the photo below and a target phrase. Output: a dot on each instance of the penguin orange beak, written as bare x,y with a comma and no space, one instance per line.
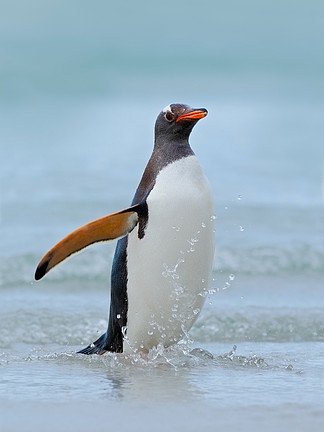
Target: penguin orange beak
193,115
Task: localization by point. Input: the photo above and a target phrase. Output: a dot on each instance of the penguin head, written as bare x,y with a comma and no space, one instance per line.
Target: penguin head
176,122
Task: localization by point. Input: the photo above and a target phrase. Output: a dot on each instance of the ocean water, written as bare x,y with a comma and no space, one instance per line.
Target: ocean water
81,86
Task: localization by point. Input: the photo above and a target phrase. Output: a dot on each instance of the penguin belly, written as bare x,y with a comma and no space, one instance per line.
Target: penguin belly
169,268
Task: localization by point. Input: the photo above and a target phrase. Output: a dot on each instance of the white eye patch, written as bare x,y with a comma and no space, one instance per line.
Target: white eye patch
167,108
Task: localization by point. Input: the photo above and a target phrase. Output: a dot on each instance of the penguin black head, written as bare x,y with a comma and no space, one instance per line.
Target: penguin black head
176,122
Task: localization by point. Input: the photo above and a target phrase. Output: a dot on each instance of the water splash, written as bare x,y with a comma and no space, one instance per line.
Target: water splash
172,271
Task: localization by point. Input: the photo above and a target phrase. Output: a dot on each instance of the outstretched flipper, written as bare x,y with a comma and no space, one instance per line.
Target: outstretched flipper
107,228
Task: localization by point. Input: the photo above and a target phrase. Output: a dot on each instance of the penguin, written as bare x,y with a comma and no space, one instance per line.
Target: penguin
163,259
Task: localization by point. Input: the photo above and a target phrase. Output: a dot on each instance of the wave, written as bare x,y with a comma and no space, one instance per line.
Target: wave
77,327
91,265
267,325
271,260
95,264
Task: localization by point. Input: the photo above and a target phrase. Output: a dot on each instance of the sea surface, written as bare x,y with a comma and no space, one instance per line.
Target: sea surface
81,85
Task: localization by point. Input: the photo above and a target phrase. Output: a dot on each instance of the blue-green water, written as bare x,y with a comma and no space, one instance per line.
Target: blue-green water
81,85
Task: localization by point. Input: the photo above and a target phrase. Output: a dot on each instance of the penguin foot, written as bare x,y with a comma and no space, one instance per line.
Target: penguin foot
97,347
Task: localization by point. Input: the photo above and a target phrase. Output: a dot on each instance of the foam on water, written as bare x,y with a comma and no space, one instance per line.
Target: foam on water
261,325
75,317
177,358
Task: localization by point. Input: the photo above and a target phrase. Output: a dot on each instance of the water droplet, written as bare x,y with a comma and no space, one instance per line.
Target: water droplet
163,335
226,285
213,217
150,332
239,197
231,277
118,316
192,241
241,228
203,225
196,311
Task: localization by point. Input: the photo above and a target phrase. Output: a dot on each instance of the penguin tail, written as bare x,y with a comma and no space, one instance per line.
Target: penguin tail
98,347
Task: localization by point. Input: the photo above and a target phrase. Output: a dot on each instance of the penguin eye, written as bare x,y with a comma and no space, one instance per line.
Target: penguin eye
169,116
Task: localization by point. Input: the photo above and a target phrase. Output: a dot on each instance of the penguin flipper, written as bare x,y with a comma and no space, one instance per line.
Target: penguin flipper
97,347
107,228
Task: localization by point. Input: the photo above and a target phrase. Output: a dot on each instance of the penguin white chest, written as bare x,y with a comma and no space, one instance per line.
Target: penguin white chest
169,268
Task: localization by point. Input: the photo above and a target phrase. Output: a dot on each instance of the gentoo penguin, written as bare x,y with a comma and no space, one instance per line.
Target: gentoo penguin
163,260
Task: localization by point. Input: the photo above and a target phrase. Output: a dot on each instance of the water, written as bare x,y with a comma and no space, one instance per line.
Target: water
79,95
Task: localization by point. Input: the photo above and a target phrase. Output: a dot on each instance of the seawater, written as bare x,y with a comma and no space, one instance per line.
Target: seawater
76,132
